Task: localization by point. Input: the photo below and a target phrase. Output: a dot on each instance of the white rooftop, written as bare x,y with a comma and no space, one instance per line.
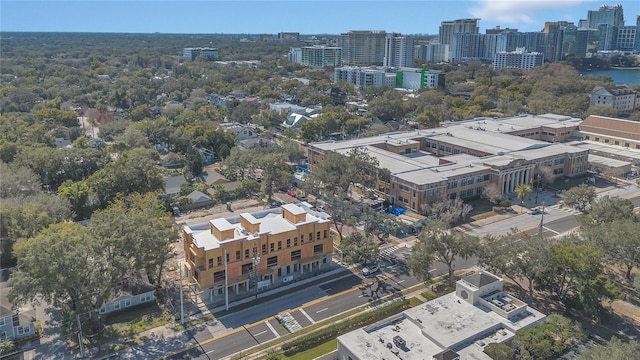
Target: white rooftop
270,222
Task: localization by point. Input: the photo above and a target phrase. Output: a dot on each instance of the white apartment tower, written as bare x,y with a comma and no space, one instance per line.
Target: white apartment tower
398,51
449,28
321,56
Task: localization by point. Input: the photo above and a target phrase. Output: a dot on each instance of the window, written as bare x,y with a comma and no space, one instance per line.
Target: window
324,234
317,249
318,235
453,184
295,255
558,161
116,305
288,243
616,142
145,297
127,303
218,276
246,253
272,261
295,241
103,310
264,249
227,258
302,239
272,247
238,254
310,236
247,268
626,144
279,245
210,263
219,260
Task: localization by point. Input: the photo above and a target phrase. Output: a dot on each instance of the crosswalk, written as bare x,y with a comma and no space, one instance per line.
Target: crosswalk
390,250
566,209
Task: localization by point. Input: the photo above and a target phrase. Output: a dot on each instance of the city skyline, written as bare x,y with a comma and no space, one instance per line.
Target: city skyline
305,17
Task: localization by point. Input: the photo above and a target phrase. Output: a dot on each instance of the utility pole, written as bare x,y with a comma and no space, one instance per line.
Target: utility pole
226,281
180,264
80,338
256,262
541,221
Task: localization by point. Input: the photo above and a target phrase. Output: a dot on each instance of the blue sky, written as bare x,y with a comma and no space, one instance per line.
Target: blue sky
303,16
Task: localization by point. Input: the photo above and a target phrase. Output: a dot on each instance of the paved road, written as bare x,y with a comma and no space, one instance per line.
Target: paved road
250,327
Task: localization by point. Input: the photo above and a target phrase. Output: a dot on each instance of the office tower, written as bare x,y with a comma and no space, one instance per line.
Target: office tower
610,15
398,51
553,39
321,56
362,47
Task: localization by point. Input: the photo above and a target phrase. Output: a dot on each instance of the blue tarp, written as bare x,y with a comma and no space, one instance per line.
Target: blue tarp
398,211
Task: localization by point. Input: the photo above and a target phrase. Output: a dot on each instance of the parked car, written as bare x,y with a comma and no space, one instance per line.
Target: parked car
291,193
372,269
302,197
275,203
535,211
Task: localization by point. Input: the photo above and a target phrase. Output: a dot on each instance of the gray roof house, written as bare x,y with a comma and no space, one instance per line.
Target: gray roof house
172,186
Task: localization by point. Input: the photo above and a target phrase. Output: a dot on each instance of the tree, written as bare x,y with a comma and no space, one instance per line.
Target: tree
547,340
421,260
619,241
446,245
80,196
337,173
520,261
17,181
450,211
616,349
7,346
580,197
381,225
492,193
499,351
358,248
574,276
135,171
343,212
607,210
276,173
243,162
523,191
601,110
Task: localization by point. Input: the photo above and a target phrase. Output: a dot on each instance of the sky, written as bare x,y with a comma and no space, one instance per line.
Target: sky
303,16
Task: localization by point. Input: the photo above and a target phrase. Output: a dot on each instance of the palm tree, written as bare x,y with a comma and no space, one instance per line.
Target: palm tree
522,190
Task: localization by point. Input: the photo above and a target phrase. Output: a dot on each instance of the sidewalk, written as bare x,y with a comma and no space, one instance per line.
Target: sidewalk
164,339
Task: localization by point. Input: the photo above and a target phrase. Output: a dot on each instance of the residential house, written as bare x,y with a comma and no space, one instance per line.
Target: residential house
172,186
12,326
249,252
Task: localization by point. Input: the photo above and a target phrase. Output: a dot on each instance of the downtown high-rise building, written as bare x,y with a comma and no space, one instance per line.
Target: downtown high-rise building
321,56
448,29
398,51
362,47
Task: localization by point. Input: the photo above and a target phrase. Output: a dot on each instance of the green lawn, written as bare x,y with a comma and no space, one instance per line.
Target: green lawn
313,353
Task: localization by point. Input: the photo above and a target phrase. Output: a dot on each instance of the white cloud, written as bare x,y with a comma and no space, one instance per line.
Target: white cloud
516,11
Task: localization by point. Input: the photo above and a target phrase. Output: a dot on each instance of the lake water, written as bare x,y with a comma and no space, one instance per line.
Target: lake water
619,76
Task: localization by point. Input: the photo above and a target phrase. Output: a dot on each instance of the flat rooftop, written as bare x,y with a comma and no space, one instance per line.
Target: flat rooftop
270,222
428,329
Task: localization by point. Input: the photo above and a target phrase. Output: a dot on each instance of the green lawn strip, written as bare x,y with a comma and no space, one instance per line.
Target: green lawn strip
315,352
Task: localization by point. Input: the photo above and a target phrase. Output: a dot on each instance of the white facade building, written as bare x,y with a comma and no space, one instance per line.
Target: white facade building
295,55
398,51
518,59
321,56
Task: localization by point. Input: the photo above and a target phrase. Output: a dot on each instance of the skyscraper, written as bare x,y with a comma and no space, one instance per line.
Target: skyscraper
610,15
398,51
449,28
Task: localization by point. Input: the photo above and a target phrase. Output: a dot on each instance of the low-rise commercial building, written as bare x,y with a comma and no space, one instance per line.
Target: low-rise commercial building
458,325
462,158
204,52
254,251
612,131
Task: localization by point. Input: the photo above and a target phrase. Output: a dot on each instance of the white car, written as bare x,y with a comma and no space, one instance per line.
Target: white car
368,270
